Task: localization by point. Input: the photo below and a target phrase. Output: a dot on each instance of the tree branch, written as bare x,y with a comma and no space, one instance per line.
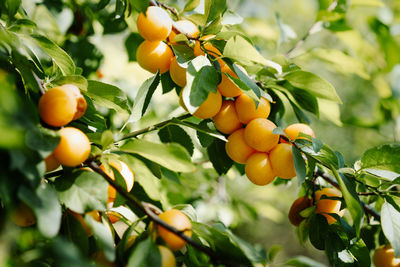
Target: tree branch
148,210
153,127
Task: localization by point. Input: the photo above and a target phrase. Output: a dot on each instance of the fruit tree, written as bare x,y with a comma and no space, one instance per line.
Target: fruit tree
172,133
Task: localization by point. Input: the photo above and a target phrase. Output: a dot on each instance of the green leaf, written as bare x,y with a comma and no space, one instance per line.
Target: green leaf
299,165
145,254
167,83
203,128
132,43
214,8
302,261
171,156
76,80
140,5
191,4
324,155
313,84
351,198
385,157
221,240
42,139
60,57
218,157
272,251
306,100
72,229
205,139
183,53
174,133
103,236
143,176
238,48
360,251
390,220
45,205
82,191
205,81
12,6
143,97
108,96
319,230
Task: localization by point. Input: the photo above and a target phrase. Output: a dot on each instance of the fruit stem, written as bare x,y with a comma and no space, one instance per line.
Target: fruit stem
153,127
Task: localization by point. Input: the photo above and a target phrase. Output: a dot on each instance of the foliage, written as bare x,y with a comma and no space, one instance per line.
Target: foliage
171,166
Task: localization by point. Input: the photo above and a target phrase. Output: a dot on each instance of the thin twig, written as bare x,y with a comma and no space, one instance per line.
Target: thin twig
152,214
153,127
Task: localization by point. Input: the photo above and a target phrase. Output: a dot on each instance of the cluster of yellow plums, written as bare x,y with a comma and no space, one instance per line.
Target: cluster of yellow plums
251,139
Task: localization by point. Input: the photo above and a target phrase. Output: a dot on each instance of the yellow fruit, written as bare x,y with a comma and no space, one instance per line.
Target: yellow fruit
23,215
177,73
185,27
226,120
258,134
113,216
210,107
293,131
180,221
328,205
74,147
258,169
60,105
51,163
156,25
167,257
237,148
384,257
125,172
154,56
281,157
246,108
298,206
227,87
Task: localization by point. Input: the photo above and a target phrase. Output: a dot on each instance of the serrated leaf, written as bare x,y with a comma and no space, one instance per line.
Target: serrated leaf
108,96
385,157
214,8
313,84
145,254
238,48
82,191
174,133
205,81
218,157
390,220
171,156
45,205
60,57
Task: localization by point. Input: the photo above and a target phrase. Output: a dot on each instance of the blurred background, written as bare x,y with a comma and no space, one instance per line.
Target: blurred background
359,55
